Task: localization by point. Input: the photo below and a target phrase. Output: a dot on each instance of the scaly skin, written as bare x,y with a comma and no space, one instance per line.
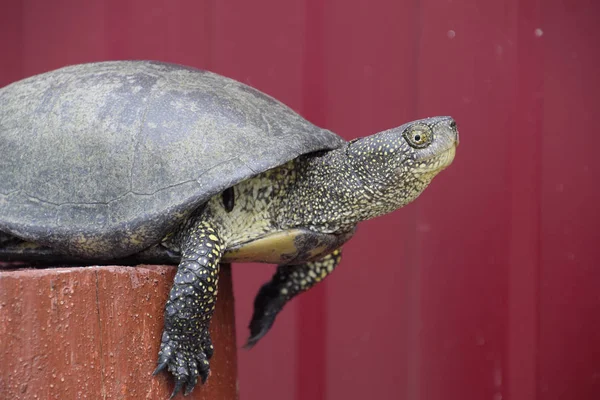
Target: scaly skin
186,345
329,192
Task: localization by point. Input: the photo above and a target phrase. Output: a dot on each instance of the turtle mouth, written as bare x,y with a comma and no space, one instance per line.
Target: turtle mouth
435,163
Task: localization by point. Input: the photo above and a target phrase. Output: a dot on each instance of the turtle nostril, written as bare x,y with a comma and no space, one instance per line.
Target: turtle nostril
454,128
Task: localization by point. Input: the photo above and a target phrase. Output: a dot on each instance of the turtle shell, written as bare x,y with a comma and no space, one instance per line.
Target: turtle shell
102,160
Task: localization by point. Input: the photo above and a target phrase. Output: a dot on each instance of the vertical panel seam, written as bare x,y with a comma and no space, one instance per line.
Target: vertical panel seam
525,199
414,357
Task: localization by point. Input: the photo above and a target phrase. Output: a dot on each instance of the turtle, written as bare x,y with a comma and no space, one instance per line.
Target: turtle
116,159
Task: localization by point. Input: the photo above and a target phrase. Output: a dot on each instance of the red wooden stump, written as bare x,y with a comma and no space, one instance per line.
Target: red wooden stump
94,332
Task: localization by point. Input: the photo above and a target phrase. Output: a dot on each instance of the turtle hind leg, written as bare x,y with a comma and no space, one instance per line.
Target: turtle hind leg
288,282
186,345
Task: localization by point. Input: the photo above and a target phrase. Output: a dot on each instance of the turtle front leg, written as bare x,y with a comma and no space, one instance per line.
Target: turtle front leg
186,345
288,281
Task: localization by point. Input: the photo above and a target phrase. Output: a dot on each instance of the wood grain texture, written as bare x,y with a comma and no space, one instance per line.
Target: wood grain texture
94,332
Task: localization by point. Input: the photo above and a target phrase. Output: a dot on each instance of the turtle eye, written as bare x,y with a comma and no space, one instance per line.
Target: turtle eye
418,136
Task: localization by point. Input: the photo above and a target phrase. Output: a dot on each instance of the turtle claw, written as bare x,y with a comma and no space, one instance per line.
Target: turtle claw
252,340
191,385
188,390
178,385
258,329
161,366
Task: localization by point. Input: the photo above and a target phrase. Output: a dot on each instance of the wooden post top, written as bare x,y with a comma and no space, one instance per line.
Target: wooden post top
94,332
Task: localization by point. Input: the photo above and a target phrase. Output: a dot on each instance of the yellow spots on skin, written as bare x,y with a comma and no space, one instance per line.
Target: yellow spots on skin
282,198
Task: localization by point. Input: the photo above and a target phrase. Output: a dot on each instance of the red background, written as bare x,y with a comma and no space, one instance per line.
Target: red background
488,286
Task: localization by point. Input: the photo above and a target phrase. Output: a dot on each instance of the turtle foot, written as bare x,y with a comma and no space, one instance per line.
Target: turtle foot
267,304
185,360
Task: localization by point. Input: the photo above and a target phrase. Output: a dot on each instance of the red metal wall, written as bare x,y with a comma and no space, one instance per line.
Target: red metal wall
488,286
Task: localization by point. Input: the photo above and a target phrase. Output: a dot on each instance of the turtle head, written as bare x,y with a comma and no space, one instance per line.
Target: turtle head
396,165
